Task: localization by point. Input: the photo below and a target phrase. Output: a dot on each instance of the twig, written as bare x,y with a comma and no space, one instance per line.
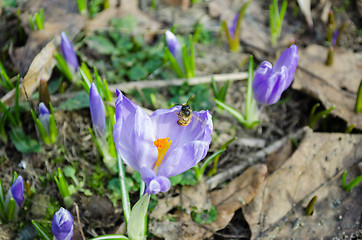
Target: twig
78,219
124,87
252,159
178,82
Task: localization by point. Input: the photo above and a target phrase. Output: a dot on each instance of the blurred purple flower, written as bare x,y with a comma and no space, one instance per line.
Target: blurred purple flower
175,48
334,37
44,116
156,146
97,110
68,52
62,225
232,28
17,190
270,82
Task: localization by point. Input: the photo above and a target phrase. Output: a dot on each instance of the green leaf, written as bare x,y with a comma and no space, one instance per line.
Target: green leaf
135,227
24,143
205,216
10,210
137,72
110,237
41,230
101,44
186,178
79,101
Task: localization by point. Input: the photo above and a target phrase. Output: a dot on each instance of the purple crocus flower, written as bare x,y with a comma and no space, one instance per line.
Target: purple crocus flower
156,146
44,116
175,48
97,110
270,82
17,190
68,52
62,225
334,37
232,28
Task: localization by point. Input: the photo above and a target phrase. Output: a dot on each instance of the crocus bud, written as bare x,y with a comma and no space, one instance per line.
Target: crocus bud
68,52
62,225
44,116
270,82
97,110
17,190
232,28
175,48
44,95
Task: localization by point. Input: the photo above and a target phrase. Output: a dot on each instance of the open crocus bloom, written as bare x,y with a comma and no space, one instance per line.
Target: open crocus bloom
270,82
156,146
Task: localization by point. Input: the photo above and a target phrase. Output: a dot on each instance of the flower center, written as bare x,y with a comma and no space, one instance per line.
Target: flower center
162,144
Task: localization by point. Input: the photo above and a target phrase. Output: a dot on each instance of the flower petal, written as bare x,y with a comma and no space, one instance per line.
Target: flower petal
183,158
289,58
68,52
165,122
17,190
62,225
97,110
134,134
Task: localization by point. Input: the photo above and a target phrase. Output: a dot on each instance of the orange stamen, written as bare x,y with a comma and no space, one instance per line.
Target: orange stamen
162,144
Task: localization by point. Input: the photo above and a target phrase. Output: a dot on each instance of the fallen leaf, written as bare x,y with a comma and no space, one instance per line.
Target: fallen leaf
41,68
333,85
314,169
59,16
166,223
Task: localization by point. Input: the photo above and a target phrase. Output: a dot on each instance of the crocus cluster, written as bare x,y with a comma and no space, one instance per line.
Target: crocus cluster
271,81
156,146
62,225
68,52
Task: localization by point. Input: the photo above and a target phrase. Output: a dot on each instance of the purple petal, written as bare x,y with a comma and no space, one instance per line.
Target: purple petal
232,28
268,88
62,225
43,109
189,143
97,110
68,52
154,184
175,48
335,36
134,135
17,190
289,58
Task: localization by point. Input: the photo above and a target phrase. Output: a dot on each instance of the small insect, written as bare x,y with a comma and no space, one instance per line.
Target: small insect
185,113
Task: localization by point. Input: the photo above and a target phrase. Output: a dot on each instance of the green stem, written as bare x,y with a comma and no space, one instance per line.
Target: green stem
124,193
358,107
249,91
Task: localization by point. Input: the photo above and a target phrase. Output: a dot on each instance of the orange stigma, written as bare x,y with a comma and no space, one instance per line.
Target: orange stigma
162,144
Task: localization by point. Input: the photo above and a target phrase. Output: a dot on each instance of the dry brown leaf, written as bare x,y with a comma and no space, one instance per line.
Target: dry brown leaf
333,85
234,195
41,68
314,169
59,16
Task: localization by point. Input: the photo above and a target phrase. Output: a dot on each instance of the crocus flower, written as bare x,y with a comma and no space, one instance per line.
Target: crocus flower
68,52
44,116
97,110
232,28
270,82
62,225
175,48
156,146
17,190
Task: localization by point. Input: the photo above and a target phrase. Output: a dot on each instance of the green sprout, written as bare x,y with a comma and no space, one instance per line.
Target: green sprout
313,118
37,20
6,83
348,187
63,188
310,208
358,106
219,94
276,20
251,115
82,6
